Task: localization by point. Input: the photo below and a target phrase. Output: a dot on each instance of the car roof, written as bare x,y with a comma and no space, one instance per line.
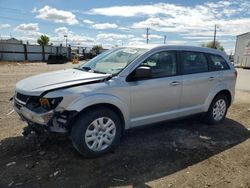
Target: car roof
177,47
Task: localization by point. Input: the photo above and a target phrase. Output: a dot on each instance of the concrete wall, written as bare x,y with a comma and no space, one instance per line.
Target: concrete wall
22,52
242,50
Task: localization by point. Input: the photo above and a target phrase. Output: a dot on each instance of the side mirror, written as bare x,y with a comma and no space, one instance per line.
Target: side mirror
142,72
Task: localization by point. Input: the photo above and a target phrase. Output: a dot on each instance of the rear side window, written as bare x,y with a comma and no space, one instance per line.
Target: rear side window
217,63
193,62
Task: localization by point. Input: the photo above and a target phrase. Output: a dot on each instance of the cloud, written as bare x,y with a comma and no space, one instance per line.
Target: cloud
176,42
88,21
30,27
197,38
193,20
4,26
30,32
62,30
199,20
57,16
221,40
190,24
152,36
137,39
218,9
226,28
126,11
100,26
108,45
34,10
74,39
124,28
104,26
113,36
136,43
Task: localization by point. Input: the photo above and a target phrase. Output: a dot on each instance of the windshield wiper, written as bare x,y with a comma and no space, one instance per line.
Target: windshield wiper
97,71
90,70
83,68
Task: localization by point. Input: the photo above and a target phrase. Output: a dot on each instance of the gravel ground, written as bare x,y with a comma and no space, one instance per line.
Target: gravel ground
183,153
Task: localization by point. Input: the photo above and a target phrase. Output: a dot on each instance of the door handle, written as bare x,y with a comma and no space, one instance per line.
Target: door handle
211,78
175,83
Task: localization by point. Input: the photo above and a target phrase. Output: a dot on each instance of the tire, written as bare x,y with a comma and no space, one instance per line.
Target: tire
212,117
98,126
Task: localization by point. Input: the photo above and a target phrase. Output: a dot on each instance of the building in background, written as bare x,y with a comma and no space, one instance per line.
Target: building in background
242,50
11,41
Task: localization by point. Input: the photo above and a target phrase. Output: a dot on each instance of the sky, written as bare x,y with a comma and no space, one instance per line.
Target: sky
124,22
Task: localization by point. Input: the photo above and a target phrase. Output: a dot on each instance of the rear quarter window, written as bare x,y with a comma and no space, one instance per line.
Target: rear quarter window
218,63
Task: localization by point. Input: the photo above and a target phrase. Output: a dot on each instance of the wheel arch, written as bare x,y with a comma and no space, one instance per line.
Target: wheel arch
226,93
112,107
107,101
217,92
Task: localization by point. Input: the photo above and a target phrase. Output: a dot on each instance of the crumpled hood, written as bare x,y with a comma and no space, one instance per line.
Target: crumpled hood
47,81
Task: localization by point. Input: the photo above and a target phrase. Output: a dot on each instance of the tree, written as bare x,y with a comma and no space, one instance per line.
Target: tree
97,49
217,45
43,40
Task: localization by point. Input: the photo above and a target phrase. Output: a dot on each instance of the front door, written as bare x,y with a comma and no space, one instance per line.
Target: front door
156,98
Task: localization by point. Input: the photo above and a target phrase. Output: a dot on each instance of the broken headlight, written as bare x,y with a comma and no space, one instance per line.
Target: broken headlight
50,103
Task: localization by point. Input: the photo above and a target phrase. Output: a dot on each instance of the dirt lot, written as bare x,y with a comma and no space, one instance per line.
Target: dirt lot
184,153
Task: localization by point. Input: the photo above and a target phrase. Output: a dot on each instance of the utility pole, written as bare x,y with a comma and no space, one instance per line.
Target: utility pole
165,38
215,27
147,34
66,37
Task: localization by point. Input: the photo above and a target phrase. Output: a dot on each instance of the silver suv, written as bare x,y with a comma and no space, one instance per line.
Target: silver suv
123,88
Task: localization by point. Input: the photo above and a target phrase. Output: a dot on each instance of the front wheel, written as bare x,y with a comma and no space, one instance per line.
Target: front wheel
217,110
96,132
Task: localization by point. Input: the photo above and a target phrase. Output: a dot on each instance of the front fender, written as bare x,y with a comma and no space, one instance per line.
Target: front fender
87,101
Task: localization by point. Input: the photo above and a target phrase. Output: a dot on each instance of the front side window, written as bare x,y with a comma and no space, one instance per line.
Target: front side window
218,63
112,61
193,62
162,64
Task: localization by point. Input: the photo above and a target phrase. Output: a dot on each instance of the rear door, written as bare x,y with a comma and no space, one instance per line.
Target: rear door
198,81
226,76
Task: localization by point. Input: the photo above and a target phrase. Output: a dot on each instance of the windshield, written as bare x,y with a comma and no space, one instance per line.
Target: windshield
112,61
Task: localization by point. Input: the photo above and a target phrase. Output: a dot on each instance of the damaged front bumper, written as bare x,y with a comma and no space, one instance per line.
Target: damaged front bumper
52,120
37,118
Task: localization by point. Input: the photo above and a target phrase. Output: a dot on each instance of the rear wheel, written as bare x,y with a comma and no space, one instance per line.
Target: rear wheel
96,132
217,110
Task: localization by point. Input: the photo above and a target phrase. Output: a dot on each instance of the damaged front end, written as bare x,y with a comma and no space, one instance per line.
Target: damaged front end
42,114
